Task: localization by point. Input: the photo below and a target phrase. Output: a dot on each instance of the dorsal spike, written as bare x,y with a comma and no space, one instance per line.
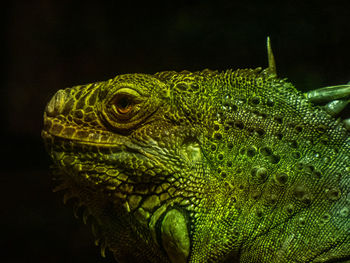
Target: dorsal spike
271,58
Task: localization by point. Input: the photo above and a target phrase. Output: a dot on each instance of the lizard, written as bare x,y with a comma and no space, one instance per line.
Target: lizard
206,166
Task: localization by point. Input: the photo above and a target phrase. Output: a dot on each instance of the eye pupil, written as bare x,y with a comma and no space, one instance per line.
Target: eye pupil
123,104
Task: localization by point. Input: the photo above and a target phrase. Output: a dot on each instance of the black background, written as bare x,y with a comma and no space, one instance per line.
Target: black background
50,45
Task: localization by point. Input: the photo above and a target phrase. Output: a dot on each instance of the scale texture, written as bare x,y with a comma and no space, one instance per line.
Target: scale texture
234,166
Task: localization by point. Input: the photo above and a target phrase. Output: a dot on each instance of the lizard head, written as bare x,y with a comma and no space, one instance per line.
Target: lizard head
128,150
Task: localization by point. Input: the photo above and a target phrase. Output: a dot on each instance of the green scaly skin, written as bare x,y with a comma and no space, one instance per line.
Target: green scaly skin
235,166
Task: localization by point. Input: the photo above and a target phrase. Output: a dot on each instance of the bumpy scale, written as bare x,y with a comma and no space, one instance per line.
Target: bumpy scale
236,166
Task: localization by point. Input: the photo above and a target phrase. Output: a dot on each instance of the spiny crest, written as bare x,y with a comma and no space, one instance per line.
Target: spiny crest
271,58
185,80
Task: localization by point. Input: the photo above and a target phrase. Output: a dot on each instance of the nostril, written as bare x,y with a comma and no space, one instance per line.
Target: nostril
56,104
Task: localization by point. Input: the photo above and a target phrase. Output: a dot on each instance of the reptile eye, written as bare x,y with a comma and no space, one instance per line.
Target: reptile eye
125,107
123,104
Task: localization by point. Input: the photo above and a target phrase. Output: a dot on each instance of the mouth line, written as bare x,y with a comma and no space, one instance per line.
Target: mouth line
46,135
60,143
109,153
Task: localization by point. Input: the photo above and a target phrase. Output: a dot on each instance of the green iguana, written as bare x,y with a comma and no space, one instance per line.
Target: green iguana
234,166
